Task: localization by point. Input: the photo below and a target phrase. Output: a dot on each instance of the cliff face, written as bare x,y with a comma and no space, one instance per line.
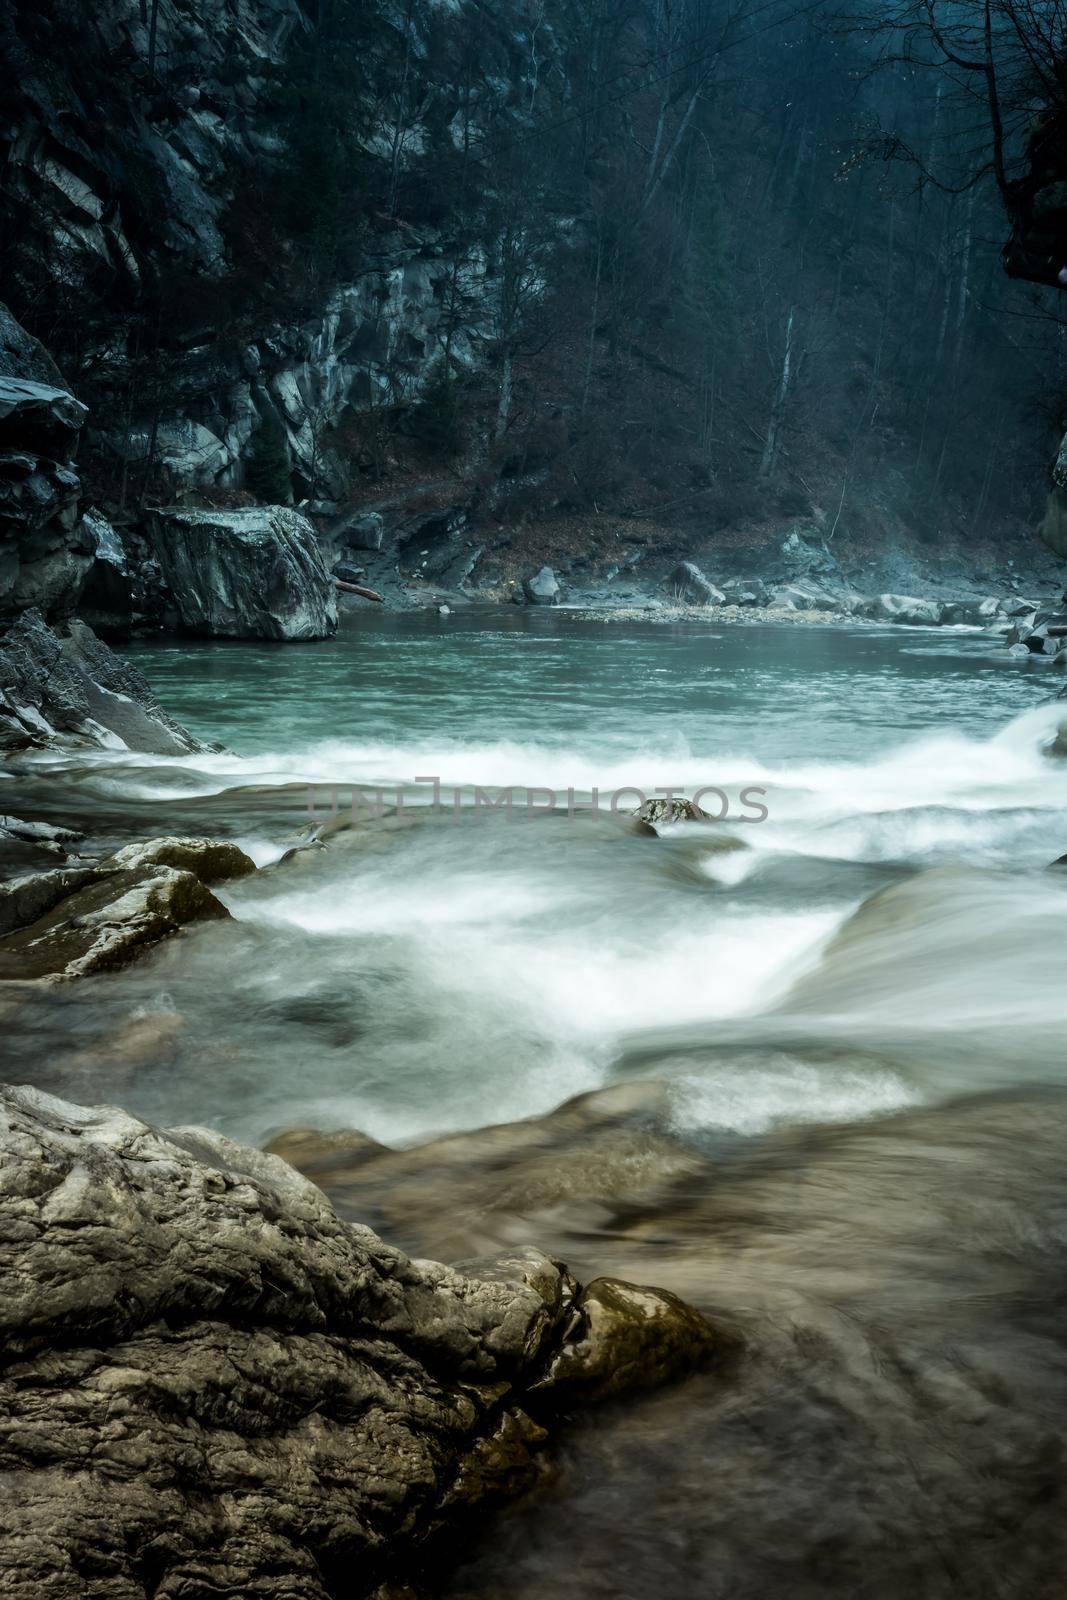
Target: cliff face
547,266
159,236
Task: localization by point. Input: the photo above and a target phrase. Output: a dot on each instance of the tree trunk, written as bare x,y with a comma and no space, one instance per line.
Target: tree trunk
781,400
503,412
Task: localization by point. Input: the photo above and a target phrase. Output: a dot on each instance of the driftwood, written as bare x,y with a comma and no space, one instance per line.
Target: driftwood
355,588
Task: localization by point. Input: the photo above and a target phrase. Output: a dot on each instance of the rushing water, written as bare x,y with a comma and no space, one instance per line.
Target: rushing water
855,1012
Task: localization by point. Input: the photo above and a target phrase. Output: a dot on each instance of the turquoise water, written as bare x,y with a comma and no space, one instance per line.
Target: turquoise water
472,967
852,1014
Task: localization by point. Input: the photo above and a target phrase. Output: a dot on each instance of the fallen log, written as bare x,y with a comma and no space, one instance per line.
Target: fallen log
355,588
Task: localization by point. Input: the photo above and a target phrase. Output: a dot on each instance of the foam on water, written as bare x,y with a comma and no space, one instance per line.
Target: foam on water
442,975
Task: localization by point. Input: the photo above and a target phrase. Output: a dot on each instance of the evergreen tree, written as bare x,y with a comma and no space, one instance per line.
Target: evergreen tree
267,464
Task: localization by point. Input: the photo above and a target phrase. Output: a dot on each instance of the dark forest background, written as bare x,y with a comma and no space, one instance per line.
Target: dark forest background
729,263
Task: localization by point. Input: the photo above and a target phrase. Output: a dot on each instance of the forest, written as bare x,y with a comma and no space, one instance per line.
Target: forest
710,269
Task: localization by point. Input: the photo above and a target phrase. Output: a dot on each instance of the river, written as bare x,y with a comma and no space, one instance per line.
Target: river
837,1035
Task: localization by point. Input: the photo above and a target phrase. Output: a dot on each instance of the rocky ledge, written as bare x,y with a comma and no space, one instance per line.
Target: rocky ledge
213,1385
74,690
85,918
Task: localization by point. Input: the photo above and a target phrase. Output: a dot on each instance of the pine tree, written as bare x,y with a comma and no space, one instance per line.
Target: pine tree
267,464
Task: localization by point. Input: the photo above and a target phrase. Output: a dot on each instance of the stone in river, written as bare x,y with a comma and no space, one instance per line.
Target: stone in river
214,1385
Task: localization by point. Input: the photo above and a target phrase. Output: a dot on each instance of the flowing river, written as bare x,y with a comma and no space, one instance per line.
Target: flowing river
823,1053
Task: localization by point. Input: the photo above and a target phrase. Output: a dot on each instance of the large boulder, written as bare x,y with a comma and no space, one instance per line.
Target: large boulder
44,555
543,589
905,609
692,587
358,530
247,574
212,1384
77,691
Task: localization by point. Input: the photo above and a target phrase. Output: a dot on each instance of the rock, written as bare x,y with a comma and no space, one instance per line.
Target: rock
906,610
249,574
543,589
358,530
809,555
450,1196
745,592
77,691
43,557
662,812
807,595
1017,607
347,572
692,587
1020,652
123,589
975,613
444,611
24,900
39,832
212,860
105,923
214,1385
627,1338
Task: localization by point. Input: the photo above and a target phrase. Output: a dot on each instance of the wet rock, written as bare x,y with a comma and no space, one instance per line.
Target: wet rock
543,589
39,832
692,587
105,923
247,574
906,609
212,1379
627,1338
24,900
662,812
212,860
977,613
77,691
461,1194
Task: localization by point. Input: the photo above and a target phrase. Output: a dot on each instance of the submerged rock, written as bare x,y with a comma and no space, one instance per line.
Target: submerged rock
77,691
248,574
462,1193
213,1384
